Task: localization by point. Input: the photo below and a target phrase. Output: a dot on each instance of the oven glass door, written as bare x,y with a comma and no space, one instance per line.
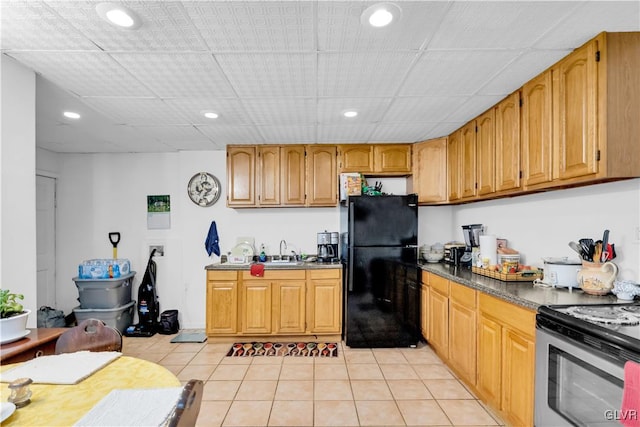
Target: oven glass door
578,387
582,393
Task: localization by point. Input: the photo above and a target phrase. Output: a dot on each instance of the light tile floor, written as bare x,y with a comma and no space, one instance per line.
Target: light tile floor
360,387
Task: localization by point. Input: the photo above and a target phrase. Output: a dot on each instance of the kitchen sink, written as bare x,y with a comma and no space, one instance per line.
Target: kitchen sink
283,262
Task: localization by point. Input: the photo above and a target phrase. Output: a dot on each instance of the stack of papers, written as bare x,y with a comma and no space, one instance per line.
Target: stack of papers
66,368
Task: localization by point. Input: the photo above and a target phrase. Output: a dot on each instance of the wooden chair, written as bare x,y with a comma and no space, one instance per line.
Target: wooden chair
91,335
188,406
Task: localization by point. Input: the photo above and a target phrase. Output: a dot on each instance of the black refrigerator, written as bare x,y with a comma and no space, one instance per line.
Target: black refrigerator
381,280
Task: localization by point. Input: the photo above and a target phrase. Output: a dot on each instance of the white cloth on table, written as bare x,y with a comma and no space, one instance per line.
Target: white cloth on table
133,407
65,368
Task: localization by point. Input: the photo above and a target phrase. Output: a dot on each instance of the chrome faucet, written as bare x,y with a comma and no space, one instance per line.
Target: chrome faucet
285,247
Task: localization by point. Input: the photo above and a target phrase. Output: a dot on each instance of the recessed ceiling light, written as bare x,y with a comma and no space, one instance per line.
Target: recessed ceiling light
119,15
71,115
210,114
381,15
349,114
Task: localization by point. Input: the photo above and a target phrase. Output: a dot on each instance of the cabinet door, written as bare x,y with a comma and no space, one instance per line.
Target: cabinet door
489,361
392,158
462,331
518,365
325,306
430,170
468,157
222,307
508,143
255,307
439,323
292,175
241,179
486,147
269,175
537,140
454,165
289,307
322,177
356,158
424,305
574,113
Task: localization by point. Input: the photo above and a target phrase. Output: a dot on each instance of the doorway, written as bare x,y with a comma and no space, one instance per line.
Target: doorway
46,240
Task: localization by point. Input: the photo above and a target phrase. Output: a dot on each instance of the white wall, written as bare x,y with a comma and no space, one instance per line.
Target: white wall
541,225
101,193
18,188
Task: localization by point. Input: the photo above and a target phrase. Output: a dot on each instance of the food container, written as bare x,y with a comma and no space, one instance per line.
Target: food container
119,317
104,293
509,262
561,272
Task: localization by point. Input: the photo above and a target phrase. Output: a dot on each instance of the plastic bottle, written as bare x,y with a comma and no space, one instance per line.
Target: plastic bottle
263,256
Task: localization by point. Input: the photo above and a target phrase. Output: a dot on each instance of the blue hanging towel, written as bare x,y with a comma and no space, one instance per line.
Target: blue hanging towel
211,244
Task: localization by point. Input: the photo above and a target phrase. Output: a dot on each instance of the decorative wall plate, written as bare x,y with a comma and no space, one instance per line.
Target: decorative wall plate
203,189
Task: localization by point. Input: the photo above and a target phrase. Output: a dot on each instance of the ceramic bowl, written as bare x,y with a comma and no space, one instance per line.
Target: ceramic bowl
433,256
625,289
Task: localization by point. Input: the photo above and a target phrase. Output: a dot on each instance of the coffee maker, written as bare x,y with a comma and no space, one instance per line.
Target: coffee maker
472,243
328,246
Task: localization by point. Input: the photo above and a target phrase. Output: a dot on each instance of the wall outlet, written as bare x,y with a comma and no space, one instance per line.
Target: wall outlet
159,250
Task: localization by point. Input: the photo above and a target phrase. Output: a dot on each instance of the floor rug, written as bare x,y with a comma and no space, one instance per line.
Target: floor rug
190,337
304,349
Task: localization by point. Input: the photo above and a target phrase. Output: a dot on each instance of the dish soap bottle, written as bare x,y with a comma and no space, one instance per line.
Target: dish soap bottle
262,257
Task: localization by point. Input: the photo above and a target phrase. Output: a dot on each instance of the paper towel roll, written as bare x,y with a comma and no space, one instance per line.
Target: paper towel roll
489,248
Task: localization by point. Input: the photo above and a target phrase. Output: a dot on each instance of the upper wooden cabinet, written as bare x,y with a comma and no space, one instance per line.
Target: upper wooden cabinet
241,176
507,144
454,166
282,176
269,175
486,152
468,183
322,175
292,175
430,171
356,158
378,159
537,137
596,105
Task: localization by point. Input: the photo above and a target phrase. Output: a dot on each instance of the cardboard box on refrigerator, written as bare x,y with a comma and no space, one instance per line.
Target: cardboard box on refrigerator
350,185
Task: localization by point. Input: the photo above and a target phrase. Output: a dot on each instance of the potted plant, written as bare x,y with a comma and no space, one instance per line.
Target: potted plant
13,316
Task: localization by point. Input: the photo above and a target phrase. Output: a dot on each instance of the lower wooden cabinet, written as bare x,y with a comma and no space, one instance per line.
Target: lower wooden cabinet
324,301
438,315
506,359
255,307
282,302
488,342
222,302
462,331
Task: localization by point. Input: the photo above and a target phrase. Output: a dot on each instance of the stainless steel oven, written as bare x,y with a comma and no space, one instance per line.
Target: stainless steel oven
580,357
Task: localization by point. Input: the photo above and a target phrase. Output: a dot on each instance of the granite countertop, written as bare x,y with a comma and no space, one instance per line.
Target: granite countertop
524,294
276,266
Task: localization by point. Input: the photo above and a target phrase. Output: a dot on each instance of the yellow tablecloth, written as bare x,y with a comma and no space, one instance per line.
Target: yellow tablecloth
64,405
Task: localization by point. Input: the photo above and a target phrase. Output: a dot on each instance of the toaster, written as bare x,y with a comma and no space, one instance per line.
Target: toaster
453,252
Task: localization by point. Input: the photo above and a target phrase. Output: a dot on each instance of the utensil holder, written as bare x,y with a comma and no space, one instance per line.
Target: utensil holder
596,278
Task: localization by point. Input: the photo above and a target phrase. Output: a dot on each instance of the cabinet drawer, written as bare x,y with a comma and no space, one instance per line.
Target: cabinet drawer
463,295
440,284
222,274
276,275
333,273
518,318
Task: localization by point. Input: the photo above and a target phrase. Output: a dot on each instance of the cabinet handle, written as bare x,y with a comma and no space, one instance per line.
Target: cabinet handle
39,353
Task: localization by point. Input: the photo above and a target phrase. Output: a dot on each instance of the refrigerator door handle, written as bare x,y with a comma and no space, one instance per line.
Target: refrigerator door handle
351,259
